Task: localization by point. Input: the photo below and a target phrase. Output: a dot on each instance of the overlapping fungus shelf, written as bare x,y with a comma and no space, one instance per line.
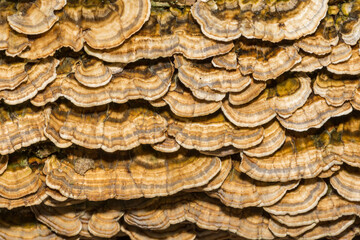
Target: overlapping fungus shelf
166,33
179,119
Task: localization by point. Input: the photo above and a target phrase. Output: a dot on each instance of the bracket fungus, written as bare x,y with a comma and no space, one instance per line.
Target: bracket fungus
108,127
269,21
165,34
179,119
240,191
140,173
35,18
139,82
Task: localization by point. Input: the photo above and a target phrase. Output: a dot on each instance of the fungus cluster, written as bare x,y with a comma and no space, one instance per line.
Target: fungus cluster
186,119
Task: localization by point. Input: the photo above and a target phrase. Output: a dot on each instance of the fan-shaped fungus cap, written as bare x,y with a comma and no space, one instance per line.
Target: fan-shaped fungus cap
184,104
255,113
309,152
169,145
240,191
76,24
205,212
247,223
280,230
19,180
265,61
330,207
175,232
289,94
148,82
39,76
249,93
36,17
166,33
313,114
309,62
108,127
11,41
328,229
140,173
12,74
274,138
159,214
228,20
105,221
62,220
346,182
322,40
217,181
199,76
92,73
334,88
21,126
227,61
64,33
350,66
119,20
300,200
213,132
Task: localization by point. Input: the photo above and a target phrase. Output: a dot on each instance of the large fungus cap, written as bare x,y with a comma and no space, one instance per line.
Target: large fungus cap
249,93
147,82
274,138
346,183
330,207
281,230
205,212
309,152
21,126
92,22
329,229
240,191
182,102
109,127
39,76
289,94
310,62
166,33
61,220
116,20
265,61
322,40
313,114
350,66
199,75
12,74
105,221
335,89
19,180
11,41
229,19
300,200
36,17
140,173
213,132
